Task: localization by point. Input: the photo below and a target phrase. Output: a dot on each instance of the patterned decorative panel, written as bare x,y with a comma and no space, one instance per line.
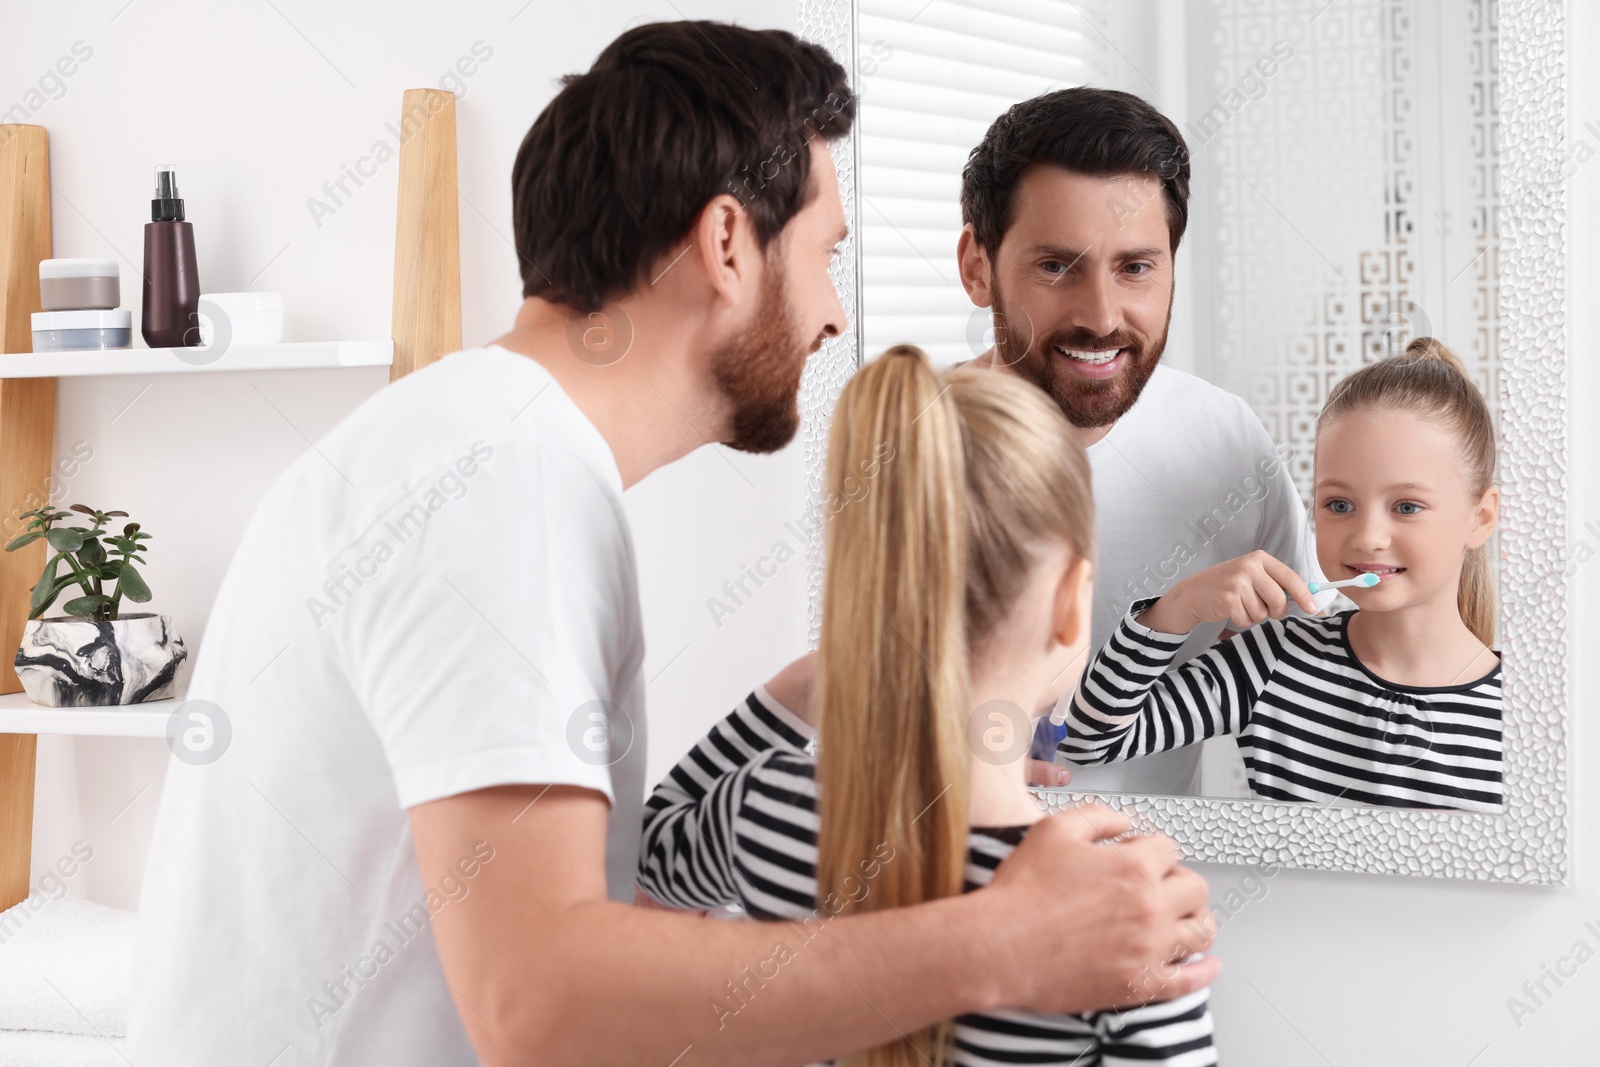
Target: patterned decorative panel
1339,239
1475,333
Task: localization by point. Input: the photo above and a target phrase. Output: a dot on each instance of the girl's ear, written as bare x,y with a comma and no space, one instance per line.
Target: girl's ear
1485,517
1074,607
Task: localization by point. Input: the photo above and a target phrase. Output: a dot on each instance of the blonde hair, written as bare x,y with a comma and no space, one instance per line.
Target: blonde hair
1430,381
972,472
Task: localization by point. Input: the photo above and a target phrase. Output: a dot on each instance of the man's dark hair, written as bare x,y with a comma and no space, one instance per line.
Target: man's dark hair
615,170
1098,132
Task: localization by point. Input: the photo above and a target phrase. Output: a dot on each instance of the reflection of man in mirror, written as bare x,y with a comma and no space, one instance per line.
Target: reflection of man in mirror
1074,205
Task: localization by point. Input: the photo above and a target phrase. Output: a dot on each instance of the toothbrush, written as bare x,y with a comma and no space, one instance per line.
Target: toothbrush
1365,580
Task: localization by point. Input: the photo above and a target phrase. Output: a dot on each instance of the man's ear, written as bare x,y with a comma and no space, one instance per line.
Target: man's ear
1074,604
1485,517
723,240
975,267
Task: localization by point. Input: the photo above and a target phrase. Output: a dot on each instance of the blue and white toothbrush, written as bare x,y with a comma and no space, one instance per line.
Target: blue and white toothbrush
1365,580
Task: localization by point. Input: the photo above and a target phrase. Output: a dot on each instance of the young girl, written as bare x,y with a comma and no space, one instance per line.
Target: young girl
957,580
1396,704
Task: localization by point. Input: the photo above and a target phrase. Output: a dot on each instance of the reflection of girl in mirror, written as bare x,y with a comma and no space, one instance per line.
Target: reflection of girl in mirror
958,580
1396,704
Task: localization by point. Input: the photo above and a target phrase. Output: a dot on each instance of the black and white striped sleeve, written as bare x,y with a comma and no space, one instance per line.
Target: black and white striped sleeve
1175,1032
686,853
1132,702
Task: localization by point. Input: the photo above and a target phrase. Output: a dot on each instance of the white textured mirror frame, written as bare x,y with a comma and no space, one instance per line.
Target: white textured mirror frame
1528,841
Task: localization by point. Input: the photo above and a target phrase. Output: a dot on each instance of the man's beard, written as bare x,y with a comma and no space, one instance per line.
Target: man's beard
1086,402
759,372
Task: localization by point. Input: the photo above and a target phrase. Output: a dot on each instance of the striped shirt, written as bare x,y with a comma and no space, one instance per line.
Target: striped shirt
736,823
1312,722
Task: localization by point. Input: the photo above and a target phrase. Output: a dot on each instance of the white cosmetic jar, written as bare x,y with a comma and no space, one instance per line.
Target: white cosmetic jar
235,319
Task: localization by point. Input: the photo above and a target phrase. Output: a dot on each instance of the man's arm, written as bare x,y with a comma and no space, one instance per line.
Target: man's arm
545,969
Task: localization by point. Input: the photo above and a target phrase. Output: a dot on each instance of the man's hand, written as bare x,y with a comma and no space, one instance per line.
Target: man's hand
1239,592
1124,913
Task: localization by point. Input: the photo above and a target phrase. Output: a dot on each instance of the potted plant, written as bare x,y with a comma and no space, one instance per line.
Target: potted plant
93,655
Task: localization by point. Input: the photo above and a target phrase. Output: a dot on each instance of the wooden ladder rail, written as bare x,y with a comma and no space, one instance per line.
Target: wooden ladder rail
427,236
27,438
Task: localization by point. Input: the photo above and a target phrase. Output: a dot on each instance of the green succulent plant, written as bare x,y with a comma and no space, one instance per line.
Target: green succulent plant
94,557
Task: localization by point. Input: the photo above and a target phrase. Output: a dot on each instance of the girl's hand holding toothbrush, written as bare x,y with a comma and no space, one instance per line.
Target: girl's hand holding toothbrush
1239,592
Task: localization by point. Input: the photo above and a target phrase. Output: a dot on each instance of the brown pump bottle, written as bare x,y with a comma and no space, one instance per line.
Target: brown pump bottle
171,280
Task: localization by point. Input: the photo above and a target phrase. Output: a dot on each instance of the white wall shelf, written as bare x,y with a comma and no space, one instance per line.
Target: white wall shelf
19,715
300,355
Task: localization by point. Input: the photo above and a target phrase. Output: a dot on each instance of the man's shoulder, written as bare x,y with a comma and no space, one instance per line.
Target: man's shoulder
471,383
484,398
1182,403
1172,384
479,430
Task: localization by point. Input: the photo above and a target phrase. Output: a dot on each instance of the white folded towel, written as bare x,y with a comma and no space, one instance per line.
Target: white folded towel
35,1048
65,967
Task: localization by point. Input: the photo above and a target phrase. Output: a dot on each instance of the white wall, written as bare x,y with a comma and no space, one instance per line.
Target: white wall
258,105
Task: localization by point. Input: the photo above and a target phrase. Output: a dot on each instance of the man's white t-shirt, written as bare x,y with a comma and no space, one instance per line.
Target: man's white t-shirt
439,597
1186,479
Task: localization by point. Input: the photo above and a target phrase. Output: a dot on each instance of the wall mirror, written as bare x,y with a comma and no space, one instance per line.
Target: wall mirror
1363,172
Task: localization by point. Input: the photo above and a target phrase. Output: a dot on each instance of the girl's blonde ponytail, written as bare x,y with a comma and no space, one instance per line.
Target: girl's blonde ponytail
942,489
892,660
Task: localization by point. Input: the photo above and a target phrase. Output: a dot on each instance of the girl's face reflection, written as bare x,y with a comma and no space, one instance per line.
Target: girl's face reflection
1392,498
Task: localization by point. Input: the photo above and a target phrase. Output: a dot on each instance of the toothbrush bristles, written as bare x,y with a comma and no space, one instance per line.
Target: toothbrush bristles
1365,580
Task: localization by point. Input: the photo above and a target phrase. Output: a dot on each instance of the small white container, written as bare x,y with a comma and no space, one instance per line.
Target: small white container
79,284
70,331
251,318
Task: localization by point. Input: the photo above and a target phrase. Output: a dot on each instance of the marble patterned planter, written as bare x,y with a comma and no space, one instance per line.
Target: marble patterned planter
78,663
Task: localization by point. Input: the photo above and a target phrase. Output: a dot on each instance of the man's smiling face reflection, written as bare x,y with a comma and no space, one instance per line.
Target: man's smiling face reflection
1082,287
